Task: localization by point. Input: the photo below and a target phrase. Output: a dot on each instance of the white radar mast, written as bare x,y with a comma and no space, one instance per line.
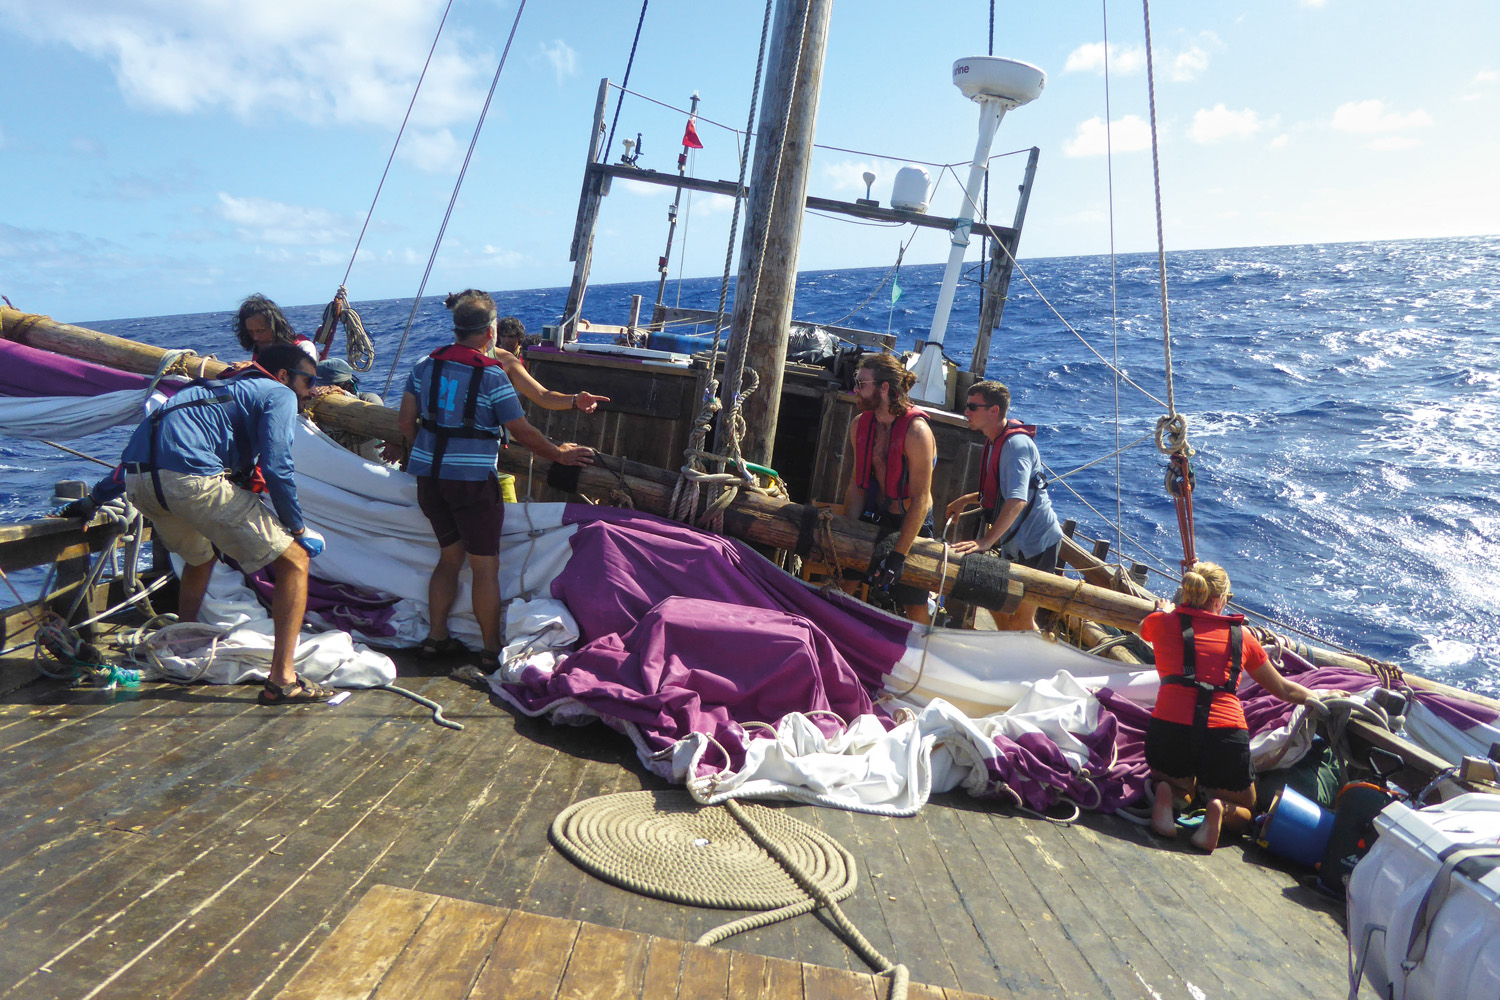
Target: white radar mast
997,85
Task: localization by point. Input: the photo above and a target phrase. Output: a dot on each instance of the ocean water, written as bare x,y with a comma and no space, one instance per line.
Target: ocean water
1344,401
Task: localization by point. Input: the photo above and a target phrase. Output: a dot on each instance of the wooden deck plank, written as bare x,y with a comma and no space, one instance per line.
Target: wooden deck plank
1060,953
445,955
822,983
466,814
705,974
528,959
1019,968
355,957
1166,955
912,928
233,867
1031,842
663,967
335,853
607,964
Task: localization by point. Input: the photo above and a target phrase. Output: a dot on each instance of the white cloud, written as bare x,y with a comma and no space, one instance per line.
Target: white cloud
563,59
1393,143
1280,141
1218,123
346,61
433,150
1090,59
1188,64
1130,134
1371,116
81,145
281,224
848,175
1485,76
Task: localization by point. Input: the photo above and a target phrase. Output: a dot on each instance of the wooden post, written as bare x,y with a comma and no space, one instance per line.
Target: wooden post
761,331
997,285
582,250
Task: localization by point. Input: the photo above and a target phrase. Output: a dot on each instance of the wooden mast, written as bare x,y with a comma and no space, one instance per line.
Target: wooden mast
761,331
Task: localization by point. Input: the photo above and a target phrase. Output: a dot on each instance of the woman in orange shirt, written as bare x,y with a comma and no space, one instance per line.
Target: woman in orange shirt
1197,740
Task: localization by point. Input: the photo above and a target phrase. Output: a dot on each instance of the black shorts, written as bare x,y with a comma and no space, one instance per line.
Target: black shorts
1045,560
1224,762
464,510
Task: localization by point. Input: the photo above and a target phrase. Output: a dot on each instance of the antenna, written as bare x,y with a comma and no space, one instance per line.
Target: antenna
869,177
997,85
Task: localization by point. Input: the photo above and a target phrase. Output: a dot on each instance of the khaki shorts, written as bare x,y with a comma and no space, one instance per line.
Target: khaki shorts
208,511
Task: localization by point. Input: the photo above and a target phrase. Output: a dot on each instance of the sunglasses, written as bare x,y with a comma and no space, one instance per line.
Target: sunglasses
971,407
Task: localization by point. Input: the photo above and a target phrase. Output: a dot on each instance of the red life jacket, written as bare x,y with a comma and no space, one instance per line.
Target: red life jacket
897,476
989,463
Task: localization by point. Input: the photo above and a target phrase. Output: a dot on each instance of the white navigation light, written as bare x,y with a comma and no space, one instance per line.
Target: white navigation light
1009,80
997,85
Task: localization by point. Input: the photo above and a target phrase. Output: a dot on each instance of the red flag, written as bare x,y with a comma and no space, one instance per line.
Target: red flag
690,136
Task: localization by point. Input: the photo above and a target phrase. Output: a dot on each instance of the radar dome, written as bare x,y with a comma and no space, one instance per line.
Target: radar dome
1008,80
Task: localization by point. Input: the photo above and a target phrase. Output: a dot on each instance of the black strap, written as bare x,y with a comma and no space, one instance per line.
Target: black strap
1206,691
441,434
440,442
217,399
806,528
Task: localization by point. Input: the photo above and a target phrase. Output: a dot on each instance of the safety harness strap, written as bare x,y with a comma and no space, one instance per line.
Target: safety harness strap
219,398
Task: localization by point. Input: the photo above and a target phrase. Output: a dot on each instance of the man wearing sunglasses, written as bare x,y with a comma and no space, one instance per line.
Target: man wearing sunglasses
185,468
1016,513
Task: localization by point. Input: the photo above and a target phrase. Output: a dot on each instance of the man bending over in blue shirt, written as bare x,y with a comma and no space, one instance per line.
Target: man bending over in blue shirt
186,467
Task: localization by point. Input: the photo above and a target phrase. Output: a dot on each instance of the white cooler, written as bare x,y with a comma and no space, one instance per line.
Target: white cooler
1424,904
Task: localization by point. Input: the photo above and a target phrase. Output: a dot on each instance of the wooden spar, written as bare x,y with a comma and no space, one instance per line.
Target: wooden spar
335,411
997,286
581,252
773,233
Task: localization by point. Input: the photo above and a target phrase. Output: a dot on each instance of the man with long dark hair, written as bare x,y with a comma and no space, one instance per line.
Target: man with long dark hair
891,485
261,323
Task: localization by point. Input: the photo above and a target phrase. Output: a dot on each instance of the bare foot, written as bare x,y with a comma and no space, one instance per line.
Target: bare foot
1163,823
1207,837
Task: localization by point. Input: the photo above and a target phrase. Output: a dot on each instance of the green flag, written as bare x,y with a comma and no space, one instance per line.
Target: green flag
895,287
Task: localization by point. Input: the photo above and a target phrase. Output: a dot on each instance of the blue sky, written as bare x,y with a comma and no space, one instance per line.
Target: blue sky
162,157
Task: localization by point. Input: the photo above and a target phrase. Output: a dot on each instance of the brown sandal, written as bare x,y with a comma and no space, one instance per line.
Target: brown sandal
300,692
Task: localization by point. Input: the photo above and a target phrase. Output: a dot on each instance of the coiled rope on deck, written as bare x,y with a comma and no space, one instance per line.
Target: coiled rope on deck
662,844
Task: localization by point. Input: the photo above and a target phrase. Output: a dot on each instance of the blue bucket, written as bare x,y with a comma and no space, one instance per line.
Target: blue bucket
1296,828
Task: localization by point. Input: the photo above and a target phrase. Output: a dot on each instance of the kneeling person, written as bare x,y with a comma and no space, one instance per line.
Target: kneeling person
467,407
179,469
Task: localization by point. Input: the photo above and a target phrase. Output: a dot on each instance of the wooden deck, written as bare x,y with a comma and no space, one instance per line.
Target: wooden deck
184,843
402,945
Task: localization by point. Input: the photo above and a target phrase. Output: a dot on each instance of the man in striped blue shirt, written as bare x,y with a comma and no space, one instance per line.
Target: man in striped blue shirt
467,409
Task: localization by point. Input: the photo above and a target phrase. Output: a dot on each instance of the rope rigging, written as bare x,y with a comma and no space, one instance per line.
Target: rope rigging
1172,428
416,302
694,475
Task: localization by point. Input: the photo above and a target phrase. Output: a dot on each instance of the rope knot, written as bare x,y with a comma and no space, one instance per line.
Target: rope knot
1172,435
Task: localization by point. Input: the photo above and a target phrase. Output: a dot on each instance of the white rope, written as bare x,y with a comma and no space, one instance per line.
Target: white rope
1161,242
